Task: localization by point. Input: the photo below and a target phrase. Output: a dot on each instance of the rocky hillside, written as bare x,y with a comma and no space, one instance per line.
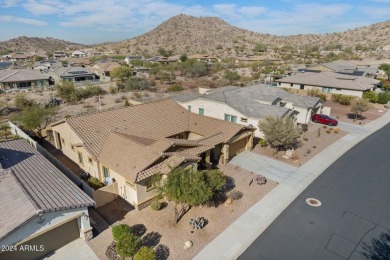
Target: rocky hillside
188,34
26,44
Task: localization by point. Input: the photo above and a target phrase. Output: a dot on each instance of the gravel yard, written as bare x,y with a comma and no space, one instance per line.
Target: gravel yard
161,232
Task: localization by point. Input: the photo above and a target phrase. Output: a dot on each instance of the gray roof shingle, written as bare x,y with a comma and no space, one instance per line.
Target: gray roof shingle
30,182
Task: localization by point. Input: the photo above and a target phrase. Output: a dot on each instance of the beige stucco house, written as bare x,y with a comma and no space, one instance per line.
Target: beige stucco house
132,144
329,82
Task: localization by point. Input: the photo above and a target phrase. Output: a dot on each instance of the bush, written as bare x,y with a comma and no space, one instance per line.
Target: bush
145,253
308,151
383,97
156,205
315,92
127,245
176,87
120,231
328,131
263,143
260,179
305,138
342,99
371,96
235,195
94,183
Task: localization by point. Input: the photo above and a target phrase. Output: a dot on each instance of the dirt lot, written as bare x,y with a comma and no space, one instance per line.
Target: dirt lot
160,227
310,144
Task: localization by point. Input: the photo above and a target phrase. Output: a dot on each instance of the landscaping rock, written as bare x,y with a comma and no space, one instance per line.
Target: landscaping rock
188,244
111,252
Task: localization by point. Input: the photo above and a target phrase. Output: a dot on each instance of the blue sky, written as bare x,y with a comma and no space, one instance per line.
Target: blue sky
96,21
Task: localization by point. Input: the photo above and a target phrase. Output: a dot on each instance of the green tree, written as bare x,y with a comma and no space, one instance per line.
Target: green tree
145,253
183,57
232,76
386,68
165,53
121,73
119,231
37,118
190,187
371,96
359,105
279,132
127,245
22,102
193,68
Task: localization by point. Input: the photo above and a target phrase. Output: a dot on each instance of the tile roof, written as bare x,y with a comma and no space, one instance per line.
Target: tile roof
105,66
331,79
28,182
131,140
71,71
256,101
17,75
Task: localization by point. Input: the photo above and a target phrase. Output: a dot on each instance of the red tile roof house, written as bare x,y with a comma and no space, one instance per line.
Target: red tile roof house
39,205
132,144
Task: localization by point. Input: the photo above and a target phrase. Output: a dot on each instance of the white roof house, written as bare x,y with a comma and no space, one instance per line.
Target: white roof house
329,82
248,105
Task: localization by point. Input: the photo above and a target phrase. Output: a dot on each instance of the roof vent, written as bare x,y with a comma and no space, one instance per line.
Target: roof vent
39,212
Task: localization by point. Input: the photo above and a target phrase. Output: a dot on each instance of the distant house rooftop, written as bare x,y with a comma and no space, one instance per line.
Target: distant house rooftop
19,75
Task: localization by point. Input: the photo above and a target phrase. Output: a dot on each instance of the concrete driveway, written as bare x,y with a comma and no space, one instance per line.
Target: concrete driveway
77,249
268,167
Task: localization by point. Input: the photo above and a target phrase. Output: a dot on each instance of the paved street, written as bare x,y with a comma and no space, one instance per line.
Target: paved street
260,164
354,194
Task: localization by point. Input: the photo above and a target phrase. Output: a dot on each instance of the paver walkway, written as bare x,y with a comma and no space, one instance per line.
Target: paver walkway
260,164
233,241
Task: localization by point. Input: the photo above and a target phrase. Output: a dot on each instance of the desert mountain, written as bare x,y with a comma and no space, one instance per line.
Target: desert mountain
188,34
25,44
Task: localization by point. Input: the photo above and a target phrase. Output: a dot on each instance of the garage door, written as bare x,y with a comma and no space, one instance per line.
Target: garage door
51,241
237,147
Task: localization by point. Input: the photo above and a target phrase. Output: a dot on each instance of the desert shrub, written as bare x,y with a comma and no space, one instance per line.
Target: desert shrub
120,231
112,89
335,97
308,150
328,131
117,100
127,245
94,183
314,146
263,143
336,131
371,96
325,126
294,156
315,92
383,97
346,100
305,138
145,253
156,205
176,87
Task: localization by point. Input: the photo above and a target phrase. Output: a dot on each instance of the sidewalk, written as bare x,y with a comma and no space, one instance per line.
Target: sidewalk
233,241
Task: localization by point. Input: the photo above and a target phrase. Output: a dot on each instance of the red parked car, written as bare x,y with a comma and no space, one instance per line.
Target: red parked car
324,119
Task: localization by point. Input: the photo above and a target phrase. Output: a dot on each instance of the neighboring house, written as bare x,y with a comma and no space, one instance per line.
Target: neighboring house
20,79
345,67
132,144
46,64
253,58
72,74
79,62
40,207
20,56
59,54
329,82
249,105
141,72
130,59
169,60
103,69
79,54
203,57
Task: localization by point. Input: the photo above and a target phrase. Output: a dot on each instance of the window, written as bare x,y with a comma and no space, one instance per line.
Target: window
291,85
327,90
302,86
230,118
243,119
189,108
90,160
106,172
80,154
201,111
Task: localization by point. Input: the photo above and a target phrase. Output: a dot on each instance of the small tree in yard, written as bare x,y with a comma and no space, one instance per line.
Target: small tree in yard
279,131
121,73
145,253
120,231
36,118
359,106
232,76
127,104
190,187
